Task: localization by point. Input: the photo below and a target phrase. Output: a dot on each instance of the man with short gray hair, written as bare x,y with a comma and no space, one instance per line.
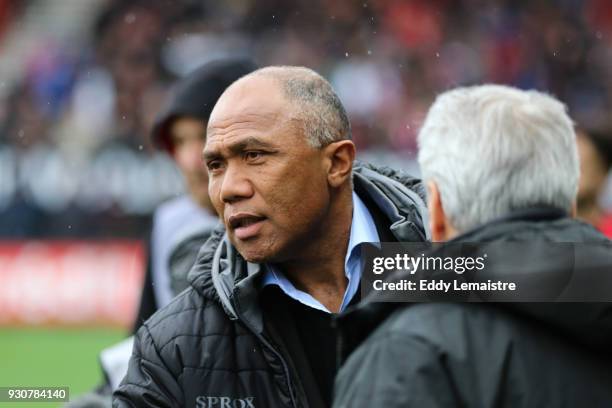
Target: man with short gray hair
491,150
254,329
500,165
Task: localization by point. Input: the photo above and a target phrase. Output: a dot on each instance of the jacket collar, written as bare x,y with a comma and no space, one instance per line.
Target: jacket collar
496,226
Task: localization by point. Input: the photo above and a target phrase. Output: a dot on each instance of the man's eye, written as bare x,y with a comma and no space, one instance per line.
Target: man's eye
253,155
213,165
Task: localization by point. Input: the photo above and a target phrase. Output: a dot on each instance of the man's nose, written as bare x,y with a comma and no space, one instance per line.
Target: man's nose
235,185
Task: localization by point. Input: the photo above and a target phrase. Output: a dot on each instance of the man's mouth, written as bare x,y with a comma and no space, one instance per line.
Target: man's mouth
245,226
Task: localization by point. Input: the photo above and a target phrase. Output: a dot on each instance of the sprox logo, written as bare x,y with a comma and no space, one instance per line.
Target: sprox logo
224,402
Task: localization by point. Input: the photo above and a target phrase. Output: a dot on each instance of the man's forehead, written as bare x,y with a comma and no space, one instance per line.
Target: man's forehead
236,126
238,136
255,103
238,118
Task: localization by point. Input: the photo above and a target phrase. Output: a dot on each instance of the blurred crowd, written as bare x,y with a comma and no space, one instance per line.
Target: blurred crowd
75,153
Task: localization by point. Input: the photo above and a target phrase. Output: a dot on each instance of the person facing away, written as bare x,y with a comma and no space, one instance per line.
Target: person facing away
500,165
254,329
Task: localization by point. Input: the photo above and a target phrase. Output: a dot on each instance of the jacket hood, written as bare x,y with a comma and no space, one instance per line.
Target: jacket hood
587,323
221,273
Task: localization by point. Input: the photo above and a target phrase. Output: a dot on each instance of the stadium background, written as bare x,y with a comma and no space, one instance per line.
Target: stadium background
82,80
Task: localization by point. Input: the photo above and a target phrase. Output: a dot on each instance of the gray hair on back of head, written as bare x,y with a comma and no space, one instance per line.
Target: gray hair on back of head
319,109
494,149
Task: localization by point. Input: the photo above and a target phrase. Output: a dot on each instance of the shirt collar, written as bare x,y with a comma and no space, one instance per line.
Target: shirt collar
363,230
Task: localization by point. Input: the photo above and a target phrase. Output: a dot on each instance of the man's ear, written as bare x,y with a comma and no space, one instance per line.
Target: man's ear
440,227
339,157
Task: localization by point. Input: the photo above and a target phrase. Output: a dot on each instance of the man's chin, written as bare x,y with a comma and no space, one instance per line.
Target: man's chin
254,257
251,252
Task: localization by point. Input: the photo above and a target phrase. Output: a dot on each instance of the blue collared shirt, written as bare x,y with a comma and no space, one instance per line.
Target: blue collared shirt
363,230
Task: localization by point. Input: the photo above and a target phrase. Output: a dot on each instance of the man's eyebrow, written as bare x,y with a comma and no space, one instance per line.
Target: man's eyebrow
238,147
249,143
210,155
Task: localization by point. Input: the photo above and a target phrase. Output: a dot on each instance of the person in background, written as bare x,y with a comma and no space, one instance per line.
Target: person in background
500,166
595,150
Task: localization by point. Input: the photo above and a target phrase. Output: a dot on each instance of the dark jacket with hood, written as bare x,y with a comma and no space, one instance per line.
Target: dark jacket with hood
484,355
210,348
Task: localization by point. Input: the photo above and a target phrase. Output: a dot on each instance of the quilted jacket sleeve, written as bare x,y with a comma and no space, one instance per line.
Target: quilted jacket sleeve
148,382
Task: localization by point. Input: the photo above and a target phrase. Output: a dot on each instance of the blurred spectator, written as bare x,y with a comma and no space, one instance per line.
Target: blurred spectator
595,150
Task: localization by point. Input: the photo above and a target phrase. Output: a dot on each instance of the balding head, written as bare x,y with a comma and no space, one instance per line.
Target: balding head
315,107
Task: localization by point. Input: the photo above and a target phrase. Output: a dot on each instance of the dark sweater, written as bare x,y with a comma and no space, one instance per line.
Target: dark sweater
308,337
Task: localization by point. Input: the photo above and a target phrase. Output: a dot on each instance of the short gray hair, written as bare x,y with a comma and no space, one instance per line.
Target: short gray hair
493,149
319,110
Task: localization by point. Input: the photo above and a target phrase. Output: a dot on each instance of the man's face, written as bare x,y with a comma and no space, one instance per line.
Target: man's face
593,171
188,136
267,184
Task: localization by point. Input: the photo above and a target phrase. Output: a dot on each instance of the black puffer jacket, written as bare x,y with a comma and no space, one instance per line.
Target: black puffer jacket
208,347
484,355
